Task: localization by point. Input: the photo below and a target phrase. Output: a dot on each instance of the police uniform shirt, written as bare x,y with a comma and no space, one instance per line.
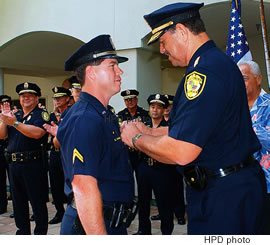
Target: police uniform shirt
142,114
211,110
91,145
18,142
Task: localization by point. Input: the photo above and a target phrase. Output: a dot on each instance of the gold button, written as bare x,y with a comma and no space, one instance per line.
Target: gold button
192,179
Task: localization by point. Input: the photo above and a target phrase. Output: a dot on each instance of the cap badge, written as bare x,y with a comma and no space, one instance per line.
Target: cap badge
55,89
112,43
25,85
157,96
128,92
194,84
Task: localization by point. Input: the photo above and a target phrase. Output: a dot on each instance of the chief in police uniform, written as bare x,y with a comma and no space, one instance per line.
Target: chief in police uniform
98,176
3,165
131,112
26,155
61,97
210,131
156,176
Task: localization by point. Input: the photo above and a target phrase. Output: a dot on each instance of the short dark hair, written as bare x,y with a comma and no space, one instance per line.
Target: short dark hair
80,71
196,26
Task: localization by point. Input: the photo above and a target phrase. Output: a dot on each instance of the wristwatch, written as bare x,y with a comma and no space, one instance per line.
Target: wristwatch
134,138
16,124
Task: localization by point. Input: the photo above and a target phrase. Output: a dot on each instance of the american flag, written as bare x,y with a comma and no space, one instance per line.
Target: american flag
237,45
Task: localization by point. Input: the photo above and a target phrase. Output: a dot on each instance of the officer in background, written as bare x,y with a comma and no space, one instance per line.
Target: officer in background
179,202
210,133
76,88
60,98
26,154
3,165
156,176
131,112
99,181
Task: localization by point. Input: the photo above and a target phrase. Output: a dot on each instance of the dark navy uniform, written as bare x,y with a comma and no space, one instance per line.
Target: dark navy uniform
219,122
28,174
142,115
160,178
90,143
210,110
56,174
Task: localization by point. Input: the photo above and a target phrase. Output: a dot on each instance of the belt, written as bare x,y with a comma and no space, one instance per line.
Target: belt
24,156
118,214
154,163
222,172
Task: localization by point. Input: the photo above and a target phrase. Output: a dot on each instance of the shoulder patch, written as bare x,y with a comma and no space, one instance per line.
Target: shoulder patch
77,154
45,116
194,84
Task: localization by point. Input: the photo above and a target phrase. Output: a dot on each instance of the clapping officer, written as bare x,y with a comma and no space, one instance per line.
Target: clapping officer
210,134
27,159
98,175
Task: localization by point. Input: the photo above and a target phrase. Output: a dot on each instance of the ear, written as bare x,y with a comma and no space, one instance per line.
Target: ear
259,79
181,31
90,72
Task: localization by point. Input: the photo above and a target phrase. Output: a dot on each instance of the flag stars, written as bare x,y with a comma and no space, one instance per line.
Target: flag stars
233,19
239,43
233,54
239,51
232,28
240,34
240,25
233,10
232,45
232,36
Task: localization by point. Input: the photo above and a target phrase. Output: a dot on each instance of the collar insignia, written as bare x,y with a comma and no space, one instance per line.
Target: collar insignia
196,62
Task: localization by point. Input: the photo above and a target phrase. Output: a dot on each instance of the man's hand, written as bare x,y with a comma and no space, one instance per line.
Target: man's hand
51,129
128,130
7,116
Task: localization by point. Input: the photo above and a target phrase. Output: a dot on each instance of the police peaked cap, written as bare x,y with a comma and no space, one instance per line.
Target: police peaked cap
28,88
162,19
5,98
74,82
99,47
170,98
158,98
60,91
129,93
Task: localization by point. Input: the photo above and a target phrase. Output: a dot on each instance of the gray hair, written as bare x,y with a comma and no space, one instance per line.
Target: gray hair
254,67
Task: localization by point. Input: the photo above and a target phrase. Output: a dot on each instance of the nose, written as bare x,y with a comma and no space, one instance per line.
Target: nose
119,70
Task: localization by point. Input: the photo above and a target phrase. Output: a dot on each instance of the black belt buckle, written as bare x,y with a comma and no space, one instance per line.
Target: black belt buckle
196,177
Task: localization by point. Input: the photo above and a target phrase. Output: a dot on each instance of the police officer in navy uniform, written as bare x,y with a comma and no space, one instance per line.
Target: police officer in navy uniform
156,176
179,201
26,153
131,112
3,165
210,133
98,175
61,97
